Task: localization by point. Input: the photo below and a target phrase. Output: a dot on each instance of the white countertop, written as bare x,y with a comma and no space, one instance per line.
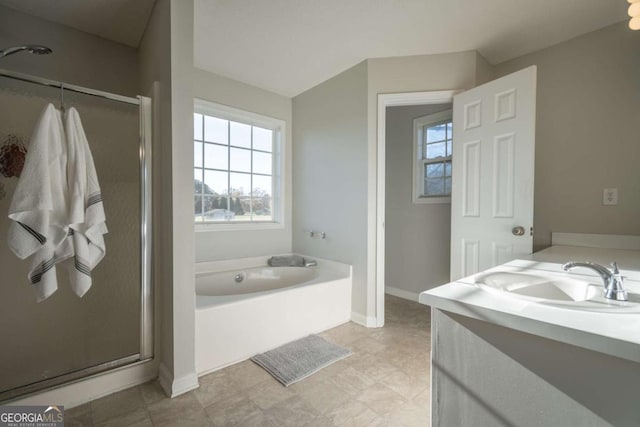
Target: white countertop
611,332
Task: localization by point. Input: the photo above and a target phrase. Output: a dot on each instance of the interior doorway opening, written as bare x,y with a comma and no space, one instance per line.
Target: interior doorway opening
411,103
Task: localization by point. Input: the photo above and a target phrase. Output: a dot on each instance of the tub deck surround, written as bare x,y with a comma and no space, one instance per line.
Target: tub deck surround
232,328
612,332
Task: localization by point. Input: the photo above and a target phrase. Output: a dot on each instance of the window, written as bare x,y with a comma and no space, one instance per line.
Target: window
237,166
433,143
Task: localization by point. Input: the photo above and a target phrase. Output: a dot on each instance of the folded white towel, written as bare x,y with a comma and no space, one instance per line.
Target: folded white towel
86,216
39,206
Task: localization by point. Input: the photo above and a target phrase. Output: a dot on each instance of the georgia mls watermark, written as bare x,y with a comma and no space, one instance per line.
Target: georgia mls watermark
32,416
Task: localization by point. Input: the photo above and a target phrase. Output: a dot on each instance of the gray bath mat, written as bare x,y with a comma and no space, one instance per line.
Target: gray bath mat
297,360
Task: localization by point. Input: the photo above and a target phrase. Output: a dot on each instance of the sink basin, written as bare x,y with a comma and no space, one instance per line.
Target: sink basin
539,287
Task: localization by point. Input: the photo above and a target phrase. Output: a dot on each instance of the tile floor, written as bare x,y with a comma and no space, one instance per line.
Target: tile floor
384,383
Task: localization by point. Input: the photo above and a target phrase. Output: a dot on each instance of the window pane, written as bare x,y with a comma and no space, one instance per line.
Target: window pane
240,134
262,139
262,163
436,150
197,154
240,184
434,187
197,208
447,168
449,130
208,206
215,182
449,149
436,133
447,186
215,130
240,160
434,170
261,185
197,126
216,156
262,198
197,181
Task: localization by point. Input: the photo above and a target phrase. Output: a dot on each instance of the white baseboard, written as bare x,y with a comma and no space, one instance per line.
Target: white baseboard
360,319
176,386
401,293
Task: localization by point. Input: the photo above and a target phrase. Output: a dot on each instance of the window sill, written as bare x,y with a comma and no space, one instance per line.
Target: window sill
431,200
238,226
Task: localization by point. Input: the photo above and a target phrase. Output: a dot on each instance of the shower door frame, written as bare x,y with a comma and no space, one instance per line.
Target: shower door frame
146,289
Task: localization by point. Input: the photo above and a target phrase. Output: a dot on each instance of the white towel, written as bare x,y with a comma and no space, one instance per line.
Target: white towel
39,206
86,217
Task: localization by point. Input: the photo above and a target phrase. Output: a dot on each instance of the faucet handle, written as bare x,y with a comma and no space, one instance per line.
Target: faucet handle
614,268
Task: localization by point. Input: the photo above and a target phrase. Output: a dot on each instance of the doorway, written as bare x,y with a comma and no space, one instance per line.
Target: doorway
392,197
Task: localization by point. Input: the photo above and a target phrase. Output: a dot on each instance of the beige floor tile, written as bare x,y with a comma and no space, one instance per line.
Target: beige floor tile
293,412
324,396
78,416
345,334
408,386
116,405
152,392
381,399
258,420
247,374
268,393
138,418
232,411
184,409
215,386
409,415
355,414
352,381
423,399
375,367
367,345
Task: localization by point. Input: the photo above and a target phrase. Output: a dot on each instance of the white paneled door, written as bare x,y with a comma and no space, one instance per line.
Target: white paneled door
493,170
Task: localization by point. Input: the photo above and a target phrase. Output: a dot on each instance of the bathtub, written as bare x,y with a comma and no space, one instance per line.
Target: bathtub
244,307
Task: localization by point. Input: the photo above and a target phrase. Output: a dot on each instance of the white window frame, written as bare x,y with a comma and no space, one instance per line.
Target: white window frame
278,127
418,158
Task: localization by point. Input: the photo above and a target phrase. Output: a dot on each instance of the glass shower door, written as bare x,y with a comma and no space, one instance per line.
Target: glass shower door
66,336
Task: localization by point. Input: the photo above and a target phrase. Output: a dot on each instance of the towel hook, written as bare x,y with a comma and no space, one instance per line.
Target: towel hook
62,97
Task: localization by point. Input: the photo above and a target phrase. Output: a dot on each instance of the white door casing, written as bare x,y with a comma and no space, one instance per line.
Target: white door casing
493,173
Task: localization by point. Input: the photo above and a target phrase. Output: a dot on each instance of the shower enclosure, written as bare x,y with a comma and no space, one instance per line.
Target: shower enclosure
64,338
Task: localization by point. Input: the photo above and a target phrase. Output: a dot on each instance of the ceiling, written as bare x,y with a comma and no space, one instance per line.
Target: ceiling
122,21
289,46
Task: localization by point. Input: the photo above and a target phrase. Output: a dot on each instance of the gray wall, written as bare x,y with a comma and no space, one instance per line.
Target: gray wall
587,133
417,236
78,57
487,375
217,245
330,170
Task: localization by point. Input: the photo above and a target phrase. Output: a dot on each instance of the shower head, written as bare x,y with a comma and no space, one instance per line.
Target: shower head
35,49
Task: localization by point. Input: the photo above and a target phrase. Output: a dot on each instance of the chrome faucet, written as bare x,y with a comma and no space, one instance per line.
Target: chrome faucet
611,277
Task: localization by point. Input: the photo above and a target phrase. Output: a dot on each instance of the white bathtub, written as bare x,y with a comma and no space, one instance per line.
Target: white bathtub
269,307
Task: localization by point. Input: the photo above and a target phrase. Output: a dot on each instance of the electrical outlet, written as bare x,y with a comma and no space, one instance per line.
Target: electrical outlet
610,197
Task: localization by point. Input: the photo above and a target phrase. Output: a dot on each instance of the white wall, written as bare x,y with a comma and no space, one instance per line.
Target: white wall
417,236
218,245
588,102
330,173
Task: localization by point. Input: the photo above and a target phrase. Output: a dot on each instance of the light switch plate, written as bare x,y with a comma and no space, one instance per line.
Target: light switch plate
610,197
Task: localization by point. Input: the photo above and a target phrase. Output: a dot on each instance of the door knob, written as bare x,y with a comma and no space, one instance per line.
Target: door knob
518,231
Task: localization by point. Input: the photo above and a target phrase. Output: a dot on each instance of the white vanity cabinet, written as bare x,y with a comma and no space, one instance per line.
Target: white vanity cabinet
503,359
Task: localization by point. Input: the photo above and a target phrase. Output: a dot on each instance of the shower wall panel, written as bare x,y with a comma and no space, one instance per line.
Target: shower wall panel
65,333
